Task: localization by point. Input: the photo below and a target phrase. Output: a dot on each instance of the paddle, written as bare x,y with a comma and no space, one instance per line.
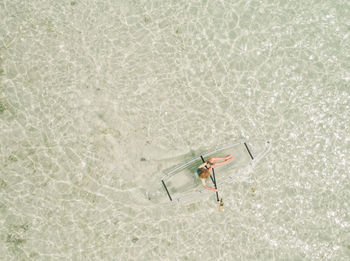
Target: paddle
214,182
217,194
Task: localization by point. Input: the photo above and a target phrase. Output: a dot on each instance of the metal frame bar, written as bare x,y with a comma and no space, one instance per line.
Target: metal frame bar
246,146
167,191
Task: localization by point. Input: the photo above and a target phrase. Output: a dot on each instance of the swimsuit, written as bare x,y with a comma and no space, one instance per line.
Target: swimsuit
205,166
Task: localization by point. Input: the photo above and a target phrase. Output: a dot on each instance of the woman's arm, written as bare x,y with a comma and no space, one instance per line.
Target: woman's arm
212,189
205,165
207,187
202,165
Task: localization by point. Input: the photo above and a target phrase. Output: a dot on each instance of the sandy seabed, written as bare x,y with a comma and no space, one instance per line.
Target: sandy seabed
97,98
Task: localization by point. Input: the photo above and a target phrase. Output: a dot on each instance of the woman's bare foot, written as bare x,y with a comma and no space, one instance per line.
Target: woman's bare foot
230,159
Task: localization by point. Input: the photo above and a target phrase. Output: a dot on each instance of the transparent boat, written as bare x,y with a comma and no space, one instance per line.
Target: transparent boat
181,183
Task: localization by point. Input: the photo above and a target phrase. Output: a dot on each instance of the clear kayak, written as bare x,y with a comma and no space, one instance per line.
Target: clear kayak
181,183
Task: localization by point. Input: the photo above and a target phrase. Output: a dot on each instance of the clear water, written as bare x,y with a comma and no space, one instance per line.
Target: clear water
98,97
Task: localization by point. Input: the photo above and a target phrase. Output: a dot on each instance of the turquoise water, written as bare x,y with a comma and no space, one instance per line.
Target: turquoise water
97,98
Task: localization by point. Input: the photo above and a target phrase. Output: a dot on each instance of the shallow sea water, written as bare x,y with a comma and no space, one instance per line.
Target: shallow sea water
97,98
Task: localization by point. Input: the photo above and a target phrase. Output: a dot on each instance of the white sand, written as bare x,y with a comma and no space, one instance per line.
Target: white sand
89,88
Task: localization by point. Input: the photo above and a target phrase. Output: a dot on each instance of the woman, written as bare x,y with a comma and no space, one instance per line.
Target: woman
204,170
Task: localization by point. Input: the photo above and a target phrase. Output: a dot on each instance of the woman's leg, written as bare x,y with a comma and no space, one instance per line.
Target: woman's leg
212,159
223,162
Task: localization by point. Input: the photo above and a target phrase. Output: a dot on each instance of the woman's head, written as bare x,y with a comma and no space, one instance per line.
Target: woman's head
203,173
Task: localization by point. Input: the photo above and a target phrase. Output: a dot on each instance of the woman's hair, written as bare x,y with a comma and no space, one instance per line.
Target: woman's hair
203,173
